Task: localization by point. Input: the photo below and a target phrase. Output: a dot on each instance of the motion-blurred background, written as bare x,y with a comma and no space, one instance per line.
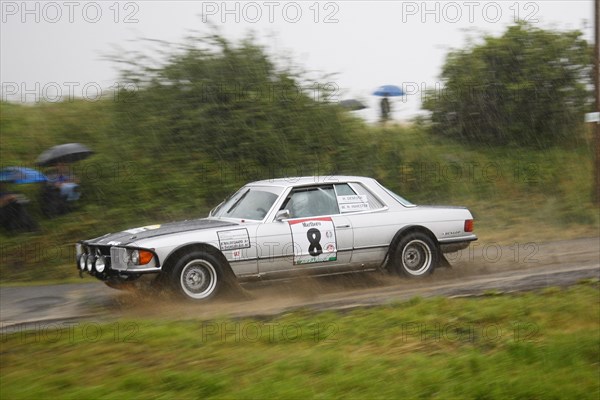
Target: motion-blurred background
183,102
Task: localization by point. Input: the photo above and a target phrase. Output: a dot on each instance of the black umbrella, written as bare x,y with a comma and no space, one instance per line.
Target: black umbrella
352,105
63,153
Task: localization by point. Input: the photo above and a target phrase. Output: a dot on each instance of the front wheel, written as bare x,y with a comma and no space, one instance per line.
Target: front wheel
416,255
197,276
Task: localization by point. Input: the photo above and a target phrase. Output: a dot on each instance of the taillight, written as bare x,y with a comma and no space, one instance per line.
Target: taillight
469,225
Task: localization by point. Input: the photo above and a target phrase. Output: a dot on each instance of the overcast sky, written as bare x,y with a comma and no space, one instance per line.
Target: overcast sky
59,47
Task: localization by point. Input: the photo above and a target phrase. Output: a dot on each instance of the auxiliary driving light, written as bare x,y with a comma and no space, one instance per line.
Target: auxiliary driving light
82,262
89,262
100,264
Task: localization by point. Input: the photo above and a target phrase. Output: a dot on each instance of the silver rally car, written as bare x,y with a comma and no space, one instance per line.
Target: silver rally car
274,228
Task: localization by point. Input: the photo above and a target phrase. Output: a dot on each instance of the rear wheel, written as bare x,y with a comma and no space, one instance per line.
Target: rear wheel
197,276
415,256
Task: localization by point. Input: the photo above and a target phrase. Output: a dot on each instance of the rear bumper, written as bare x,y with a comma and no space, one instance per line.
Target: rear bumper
456,244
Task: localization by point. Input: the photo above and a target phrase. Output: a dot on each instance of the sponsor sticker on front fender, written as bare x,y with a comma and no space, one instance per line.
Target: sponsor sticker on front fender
234,239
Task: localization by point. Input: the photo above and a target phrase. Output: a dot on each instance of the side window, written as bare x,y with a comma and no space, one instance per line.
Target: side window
311,202
374,203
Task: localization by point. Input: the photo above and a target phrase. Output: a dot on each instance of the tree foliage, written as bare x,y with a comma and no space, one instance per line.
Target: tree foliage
529,86
232,103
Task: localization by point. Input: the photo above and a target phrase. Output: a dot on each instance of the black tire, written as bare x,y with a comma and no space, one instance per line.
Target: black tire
415,256
197,276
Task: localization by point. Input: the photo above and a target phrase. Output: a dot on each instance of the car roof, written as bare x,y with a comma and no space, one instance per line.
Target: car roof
310,180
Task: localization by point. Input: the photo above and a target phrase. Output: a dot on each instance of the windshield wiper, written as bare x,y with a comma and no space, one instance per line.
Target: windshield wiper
234,205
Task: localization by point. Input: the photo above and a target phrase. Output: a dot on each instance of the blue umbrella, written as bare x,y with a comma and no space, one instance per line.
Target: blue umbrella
21,175
389,91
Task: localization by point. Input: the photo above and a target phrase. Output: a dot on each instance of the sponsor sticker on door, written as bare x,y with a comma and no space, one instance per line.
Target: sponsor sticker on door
314,240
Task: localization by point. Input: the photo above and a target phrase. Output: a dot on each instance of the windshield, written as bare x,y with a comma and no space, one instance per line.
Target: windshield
250,202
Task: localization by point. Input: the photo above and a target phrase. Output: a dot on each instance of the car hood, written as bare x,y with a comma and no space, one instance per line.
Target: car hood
130,235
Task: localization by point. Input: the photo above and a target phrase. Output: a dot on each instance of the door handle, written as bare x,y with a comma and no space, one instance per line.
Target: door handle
343,226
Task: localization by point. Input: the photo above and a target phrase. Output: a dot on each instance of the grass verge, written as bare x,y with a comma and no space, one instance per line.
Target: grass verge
533,345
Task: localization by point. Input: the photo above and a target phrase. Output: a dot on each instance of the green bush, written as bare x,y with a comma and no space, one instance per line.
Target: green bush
529,87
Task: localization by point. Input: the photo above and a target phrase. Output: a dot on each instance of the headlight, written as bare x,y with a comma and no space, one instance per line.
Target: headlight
138,257
135,257
89,262
82,261
100,264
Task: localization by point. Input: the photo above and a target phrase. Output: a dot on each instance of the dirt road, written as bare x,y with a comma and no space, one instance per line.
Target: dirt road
481,269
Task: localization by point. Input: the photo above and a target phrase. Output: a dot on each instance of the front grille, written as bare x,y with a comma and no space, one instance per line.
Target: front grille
118,256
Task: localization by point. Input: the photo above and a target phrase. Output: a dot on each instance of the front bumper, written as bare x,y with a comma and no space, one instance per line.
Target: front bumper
107,262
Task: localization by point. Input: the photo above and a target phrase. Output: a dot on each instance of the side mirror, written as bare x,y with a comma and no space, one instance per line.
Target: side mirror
282,214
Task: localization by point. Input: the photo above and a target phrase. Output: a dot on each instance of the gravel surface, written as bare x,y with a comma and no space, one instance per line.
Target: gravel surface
482,269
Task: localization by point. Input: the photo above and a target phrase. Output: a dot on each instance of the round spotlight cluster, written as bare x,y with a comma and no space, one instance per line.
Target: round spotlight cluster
92,261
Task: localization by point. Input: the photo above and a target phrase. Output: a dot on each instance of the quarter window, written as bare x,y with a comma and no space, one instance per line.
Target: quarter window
343,189
374,203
